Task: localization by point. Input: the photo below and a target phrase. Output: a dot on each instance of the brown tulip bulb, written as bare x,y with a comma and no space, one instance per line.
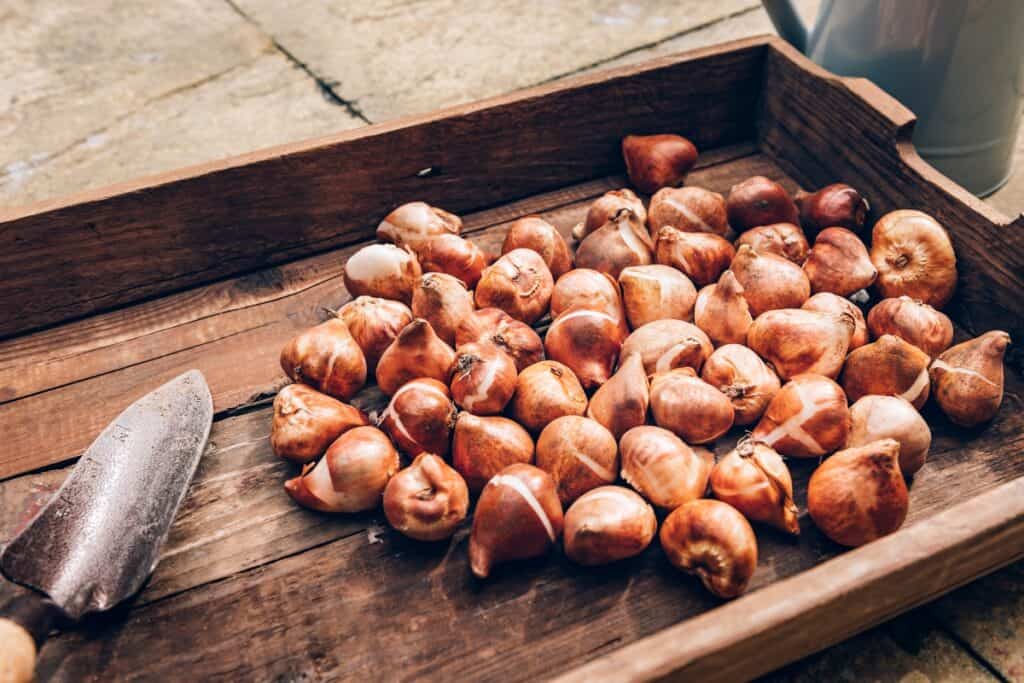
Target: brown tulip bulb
914,258
890,417
374,324
667,344
420,418
690,407
416,352
621,242
858,494
350,477
608,524
455,256
967,380
839,263
754,479
606,207
688,209
833,205
327,358
796,341
579,454
744,378
918,323
483,446
759,201
414,223
495,326
713,541
664,469
384,271
656,292
518,283
533,232
782,239
546,391
808,418
826,302
701,256
722,311
443,301
483,378
887,367
588,342
306,422
427,501
621,403
769,282
590,289
517,517
657,161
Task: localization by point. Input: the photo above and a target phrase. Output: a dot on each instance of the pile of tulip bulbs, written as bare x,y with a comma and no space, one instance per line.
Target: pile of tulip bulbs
671,322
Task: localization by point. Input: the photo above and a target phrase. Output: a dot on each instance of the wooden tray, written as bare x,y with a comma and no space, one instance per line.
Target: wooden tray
215,267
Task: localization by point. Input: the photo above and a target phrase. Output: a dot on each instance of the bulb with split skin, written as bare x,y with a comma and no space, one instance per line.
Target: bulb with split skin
690,407
967,379
420,417
754,479
656,292
579,454
769,282
374,324
483,378
689,209
494,326
807,418
620,243
701,256
744,379
722,311
586,341
606,207
518,283
427,501
546,391
842,308
926,328
664,345
533,232
797,341
455,256
443,301
888,366
483,446
384,271
327,358
662,467
782,239
414,223
590,289
416,352
839,263
306,422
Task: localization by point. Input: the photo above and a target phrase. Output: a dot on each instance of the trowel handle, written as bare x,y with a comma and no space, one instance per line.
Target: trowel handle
24,626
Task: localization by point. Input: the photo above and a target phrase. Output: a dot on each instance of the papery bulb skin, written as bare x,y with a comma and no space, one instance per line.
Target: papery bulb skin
306,422
517,517
690,407
782,239
759,201
416,352
586,341
858,494
351,476
656,292
621,403
769,282
546,391
590,289
826,302
890,417
455,256
833,205
604,209
443,301
657,161
668,344
722,311
688,209
796,341
420,418
579,454
533,232
713,541
414,223
662,468
839,263
518,283
621,242
887,367
702,257
483,446
495,326
427,501
967,380
926,328
483,378
807,418
327,358
384,271
744,378
914,257
374,324
754,479
608,524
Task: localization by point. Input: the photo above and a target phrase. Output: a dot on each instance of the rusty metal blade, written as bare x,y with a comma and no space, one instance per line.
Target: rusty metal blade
99,538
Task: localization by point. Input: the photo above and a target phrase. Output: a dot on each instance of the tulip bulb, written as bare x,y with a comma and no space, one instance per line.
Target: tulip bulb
782,239
327,358
306,422
427,501
712,540
383,270
744,378
833,205
807,418
839,263
967,380
455,256
420,418
656,292
416,352
826,302
351,476
690,407
662,468
590,289
483,378
518,283
483,446
701,256
414,223
914,257
890,417
689,209
759,201
656,161
546,391
443,301
588,342
608,524
858,494
517,517
606,207
621,403
668,344
374,324
918,323
621,242
887,367
495,326
754,479
579,454
769,282
722,311
796,341
533,232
